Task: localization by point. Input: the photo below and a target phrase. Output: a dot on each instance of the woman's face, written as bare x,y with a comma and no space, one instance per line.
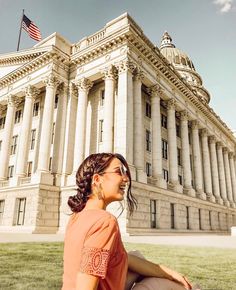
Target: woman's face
114,181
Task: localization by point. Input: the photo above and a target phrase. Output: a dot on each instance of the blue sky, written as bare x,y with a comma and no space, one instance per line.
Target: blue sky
204,29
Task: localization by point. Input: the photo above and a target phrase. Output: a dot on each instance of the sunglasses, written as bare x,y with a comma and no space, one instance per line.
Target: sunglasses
121,170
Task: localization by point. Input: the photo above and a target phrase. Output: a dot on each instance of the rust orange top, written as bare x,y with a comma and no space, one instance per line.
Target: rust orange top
93,245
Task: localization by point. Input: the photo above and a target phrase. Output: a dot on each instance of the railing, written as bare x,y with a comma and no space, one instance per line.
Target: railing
4,183
25,180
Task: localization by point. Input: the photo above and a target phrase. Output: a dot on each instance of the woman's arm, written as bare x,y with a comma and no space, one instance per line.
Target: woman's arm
86,282
149,269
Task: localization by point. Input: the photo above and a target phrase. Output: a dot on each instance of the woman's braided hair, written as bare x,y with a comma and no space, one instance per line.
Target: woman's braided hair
96,163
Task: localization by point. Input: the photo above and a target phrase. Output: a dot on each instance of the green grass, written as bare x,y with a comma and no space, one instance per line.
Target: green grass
38,266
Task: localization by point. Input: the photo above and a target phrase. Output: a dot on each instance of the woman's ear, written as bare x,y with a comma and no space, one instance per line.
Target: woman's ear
96,179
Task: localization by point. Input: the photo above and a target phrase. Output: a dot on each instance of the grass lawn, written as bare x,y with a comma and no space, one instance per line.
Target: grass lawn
38,266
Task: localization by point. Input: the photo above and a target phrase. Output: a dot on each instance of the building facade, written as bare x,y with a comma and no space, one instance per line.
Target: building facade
113,91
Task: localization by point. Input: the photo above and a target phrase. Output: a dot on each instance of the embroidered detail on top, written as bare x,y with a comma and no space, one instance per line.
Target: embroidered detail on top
94,261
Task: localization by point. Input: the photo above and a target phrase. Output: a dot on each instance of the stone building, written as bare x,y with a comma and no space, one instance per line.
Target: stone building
112,91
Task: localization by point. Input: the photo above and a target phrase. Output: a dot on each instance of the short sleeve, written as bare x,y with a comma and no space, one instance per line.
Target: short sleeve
98,247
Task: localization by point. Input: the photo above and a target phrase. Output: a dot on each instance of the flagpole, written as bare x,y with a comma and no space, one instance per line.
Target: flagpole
18,45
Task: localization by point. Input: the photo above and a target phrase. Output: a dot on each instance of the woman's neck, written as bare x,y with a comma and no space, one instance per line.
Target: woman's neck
94,203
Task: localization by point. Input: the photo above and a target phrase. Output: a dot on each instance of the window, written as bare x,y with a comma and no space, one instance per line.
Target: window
210,220
14,144
164,149
189,138
29,169
165,174
100,130
2,203
2,122
172,216
102,97
164,121
148,110
50,164
36,109
18,115
53,133
178,130
187,217
180,179
10,171
56,101
32,139
148,140
148,169
153,213
200,219
20,205
179,156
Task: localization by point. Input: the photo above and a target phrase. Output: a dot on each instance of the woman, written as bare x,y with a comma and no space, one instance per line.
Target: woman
94,256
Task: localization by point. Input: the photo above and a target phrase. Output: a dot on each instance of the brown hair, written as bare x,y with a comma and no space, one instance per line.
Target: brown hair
96,163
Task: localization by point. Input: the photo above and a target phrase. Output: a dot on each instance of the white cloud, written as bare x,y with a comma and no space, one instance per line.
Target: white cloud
225,5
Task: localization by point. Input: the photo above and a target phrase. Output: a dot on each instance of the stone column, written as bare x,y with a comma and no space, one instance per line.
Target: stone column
155,91
83,85
172,146
47,124
23,149
221,171
228,177
206,166
60,125
108,133
6,142
187,178
232,173
138,127
214,170
124,120
197,161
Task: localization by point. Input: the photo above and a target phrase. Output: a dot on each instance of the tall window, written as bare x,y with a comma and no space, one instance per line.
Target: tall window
148,169
148,110
164,149
165,174
29,169
36,109
187,217
50,164
148,140
178,134
153,213
180,179
2,122
164,121
20,205
53,133
14,144
210,220
10,171
32,139
2,203
18,115
200,219
172,216
56,101
179,156
102,97
100,130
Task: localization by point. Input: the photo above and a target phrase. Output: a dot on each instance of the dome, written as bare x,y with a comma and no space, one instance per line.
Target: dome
184,66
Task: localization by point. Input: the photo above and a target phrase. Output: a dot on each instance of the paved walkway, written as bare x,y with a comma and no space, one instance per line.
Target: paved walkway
218,241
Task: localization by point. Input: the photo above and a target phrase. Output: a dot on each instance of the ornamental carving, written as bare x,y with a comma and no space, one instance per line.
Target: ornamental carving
212,139
2,109
110,72
13,100
204,132
84,84
195,124
31,92
225,150
73,89
171,104
231,155
155,91
219,145
126,65
62,89
184,115
138,74
51,81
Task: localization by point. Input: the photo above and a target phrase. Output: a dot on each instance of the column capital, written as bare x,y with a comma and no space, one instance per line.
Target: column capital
195,124
184,116
83,84
155,91
126,65
31,92
231,155
62,88
171,104
13,100
212,139
219,145
2,108
138,74
73,89
110,72
204,132
51,81
225,150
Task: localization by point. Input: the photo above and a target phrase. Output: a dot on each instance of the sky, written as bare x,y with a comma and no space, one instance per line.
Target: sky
204,29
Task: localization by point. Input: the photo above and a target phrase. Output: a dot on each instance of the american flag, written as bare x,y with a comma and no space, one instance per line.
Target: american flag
31,28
